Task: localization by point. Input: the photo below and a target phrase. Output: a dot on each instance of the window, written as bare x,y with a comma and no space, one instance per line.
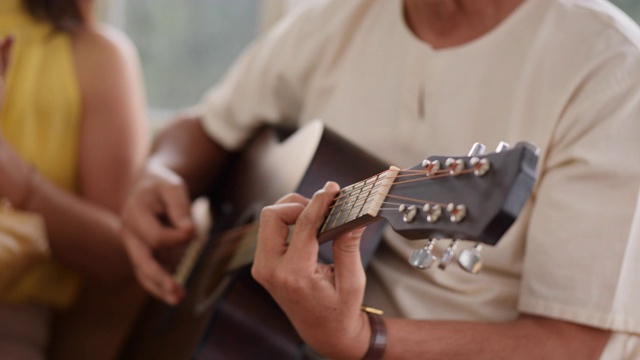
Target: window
185,46
631,7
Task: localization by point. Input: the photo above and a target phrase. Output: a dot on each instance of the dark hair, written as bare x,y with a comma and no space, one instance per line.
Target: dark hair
63,14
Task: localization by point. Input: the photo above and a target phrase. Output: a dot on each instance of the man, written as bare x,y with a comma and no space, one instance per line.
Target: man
414,77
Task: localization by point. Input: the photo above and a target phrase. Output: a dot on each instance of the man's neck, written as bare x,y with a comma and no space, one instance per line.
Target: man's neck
448,23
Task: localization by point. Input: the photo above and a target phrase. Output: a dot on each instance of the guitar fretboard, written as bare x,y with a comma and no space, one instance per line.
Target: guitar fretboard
358,201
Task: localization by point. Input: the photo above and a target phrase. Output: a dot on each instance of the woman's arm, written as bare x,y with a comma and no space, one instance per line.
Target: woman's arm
84,230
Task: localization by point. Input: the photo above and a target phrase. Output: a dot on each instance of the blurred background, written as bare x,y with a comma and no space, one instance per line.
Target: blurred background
186,46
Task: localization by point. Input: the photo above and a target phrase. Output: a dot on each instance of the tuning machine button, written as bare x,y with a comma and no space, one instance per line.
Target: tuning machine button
408,212
448,255
477,149
471,259
431,167
423,258
456,212
480,166
432,212
455,166
502,146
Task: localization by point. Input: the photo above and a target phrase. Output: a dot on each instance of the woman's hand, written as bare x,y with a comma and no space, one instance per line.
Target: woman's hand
322,301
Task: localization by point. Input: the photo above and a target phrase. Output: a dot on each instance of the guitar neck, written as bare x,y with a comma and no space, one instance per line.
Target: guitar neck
357,205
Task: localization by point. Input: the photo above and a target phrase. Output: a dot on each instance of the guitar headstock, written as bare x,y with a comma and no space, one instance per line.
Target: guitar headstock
475,197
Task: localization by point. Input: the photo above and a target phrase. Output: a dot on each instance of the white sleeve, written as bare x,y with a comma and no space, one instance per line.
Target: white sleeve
267,83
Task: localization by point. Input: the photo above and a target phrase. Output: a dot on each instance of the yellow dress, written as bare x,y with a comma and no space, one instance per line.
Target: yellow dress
41,120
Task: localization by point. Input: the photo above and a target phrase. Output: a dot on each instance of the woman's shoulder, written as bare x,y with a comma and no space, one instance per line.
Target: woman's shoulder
105,59
102,43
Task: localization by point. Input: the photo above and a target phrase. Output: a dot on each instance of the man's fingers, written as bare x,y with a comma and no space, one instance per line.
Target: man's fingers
178,206
273,234
143,216
304,243
349,271
293,198
275,222
150,274
149,227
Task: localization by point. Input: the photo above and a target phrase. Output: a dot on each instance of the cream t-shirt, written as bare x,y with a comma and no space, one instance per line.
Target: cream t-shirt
562,74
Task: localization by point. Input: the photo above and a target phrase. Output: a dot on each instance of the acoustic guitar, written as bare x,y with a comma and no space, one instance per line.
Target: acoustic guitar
227,315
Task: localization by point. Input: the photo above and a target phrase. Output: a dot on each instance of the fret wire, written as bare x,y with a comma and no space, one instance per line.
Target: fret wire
351,195
328,217
362,183
347,197
343,194
368,196
406,174
358,198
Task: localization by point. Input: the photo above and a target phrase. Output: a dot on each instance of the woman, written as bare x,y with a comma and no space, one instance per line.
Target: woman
72,134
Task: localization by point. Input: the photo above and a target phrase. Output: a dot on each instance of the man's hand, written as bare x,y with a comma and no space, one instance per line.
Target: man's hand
157,216
323,301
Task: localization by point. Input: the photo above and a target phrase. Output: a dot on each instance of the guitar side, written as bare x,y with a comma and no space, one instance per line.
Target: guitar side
226,314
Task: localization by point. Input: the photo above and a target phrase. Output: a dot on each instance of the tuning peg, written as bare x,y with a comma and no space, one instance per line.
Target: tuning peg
423,258
480,166
456,212
432,212
477,149
502,146
455,166
448,254
409,212
471,259
431,167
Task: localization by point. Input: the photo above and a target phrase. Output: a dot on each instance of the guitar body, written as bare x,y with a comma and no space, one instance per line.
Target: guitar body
226,314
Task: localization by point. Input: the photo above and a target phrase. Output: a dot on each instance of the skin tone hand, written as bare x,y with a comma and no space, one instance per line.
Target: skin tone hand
157,216
183,164
323,301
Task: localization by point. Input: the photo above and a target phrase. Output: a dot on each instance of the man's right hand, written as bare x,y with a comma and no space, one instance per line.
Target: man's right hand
157,216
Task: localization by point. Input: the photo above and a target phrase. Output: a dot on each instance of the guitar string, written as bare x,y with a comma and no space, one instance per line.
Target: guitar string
345,195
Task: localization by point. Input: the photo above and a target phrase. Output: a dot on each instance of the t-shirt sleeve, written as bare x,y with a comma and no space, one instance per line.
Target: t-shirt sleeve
582,256
266,84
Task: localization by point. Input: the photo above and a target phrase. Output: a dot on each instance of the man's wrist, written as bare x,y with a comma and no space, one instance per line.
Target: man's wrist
378,341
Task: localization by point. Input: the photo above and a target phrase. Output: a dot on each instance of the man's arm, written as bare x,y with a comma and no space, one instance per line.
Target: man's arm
183,163
528,337
184,148
323,301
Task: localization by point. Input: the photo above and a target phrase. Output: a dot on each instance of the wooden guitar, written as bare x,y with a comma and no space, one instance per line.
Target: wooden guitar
227,315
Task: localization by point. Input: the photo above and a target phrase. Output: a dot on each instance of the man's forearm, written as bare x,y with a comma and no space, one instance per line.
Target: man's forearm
528,337
186,149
